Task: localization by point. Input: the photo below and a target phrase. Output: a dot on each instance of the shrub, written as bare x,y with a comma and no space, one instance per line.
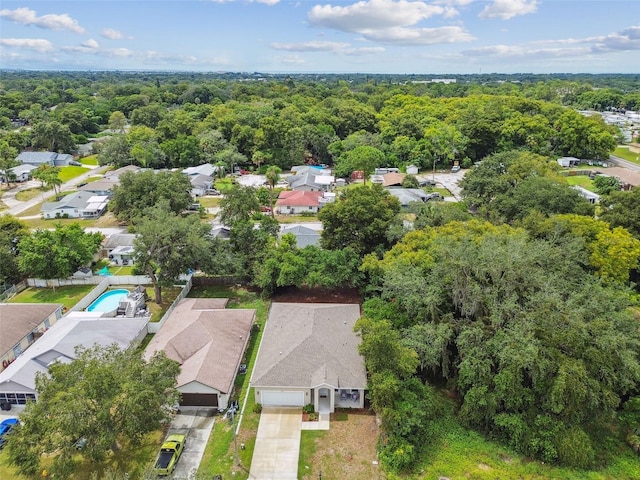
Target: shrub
308,408
257,408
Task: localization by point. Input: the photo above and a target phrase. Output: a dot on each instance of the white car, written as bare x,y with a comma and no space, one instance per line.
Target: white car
455,168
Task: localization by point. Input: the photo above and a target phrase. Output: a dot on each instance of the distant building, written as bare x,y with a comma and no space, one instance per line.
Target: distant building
589,195
567,162
76,205
45,158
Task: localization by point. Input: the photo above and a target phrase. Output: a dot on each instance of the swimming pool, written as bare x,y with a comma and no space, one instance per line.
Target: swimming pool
108,301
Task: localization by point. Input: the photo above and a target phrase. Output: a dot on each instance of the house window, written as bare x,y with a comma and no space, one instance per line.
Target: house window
17,350
47,323
310,208
30,338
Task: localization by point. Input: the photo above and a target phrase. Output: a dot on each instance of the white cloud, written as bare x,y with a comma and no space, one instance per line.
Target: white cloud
373,14
291,60
627,39
91,43
390,21
341,48
113,34
506,9
37,44
26,16
313,46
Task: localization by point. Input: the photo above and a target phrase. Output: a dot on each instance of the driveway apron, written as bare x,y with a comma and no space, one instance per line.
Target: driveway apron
275,456
196,424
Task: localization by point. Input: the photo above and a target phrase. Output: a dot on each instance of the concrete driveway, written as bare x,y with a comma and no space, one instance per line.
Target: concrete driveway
196,424
275,456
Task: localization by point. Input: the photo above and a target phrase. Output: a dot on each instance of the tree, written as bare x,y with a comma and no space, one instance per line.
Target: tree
138,191
52,136
272,176
57,253
12,231
115,151
105,396
8,160
364,157
238,205
359,219
48,176
117,121
622,209
605,185
168,245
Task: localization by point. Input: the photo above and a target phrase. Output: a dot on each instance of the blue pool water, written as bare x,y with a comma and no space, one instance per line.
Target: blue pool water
108,301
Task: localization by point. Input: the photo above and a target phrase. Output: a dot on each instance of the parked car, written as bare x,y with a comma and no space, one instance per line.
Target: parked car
434,196
242,369
169,454
455,168
427,182
5,427
74,163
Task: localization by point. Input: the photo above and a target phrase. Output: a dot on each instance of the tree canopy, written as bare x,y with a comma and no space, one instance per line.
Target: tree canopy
105,396
138,191
359,219
57,253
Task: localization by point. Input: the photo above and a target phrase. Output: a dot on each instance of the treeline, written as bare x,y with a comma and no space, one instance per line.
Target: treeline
179,120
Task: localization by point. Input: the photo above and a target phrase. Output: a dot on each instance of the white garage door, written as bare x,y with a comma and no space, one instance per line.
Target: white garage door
282,399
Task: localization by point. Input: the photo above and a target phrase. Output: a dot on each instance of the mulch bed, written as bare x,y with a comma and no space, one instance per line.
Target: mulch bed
316,295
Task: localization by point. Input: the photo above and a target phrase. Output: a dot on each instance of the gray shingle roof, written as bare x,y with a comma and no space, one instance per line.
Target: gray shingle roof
18,319
120,240
304,236
77,200
310,344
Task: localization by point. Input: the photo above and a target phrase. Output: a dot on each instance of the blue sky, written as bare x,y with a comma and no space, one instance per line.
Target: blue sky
332,36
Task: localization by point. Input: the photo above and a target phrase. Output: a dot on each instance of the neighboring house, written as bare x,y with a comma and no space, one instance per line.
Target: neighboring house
412,170
221,231
385,170
568,162
408,195
209,343
589,195
22,173
114,176
628,179
118,248
304,236
393,179
200,184
205,169
58,344
304,182
76,205
22,324
309,355
41,158
100,187
292,202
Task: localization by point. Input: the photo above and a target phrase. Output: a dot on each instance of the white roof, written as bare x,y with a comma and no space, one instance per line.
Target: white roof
97,199
325,179
94,207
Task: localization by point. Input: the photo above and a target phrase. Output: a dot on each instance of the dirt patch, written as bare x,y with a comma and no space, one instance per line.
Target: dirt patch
347,450
316,295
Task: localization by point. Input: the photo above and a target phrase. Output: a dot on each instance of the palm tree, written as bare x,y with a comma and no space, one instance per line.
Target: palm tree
273,175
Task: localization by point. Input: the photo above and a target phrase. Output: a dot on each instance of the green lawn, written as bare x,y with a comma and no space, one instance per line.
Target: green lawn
296,218
67,173
623,152
67,296
219,455
208,202
169,294
89,160
581,180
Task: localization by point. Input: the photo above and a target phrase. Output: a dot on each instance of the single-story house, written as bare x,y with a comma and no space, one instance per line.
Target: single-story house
309,355
21,324
205,169
17,381
76,205
40,158
114,176
568,162
209,342
628,178
123,255
408,195
21,173
200,184
393,179
304,236
100,187
589,195
117,240
291,202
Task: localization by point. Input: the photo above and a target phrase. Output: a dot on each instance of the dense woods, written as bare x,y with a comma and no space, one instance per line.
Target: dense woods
510,311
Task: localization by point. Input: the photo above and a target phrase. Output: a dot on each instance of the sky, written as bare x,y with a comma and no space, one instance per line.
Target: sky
323,36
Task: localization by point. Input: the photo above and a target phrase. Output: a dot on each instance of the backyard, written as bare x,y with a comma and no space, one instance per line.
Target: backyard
67,295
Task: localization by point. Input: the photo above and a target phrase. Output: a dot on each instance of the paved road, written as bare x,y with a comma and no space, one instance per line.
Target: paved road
621,162
16,207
